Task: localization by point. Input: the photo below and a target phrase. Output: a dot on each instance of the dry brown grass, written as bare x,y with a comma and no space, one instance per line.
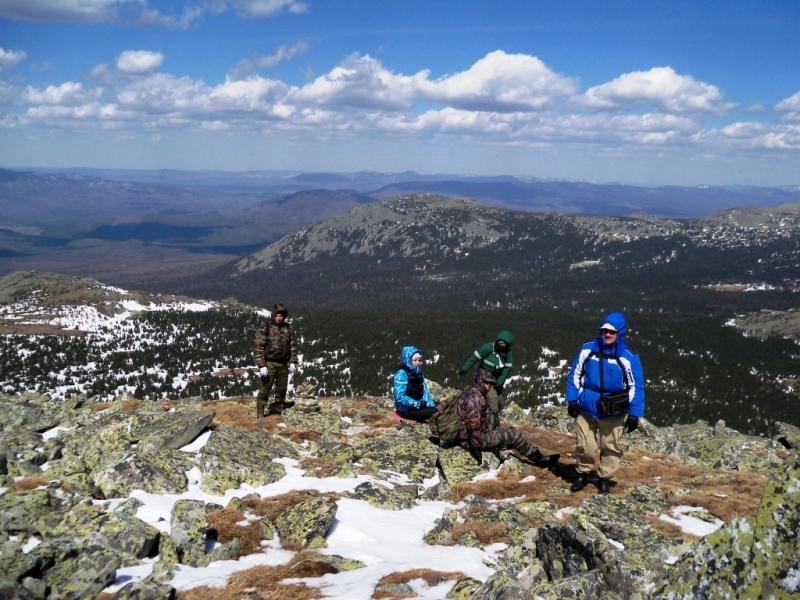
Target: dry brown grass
429,576
273,506
317,467
223,522
31,482
487,533
266,582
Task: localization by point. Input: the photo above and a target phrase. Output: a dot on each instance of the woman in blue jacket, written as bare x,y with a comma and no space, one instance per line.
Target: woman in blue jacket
411,397
605,394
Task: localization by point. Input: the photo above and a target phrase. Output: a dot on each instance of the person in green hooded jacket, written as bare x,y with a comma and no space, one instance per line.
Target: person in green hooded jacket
497,358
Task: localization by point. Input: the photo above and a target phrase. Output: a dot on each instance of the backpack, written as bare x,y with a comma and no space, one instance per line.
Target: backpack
444,423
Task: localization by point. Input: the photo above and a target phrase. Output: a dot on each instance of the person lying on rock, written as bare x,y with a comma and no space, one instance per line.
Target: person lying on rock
605,394
411,397
474,434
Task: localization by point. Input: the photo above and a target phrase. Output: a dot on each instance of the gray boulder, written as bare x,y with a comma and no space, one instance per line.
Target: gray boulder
233,456
306,523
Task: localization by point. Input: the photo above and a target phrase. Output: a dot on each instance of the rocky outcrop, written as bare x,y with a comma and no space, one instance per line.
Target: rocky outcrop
67,537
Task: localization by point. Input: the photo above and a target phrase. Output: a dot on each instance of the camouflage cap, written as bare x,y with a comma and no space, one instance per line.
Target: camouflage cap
486,376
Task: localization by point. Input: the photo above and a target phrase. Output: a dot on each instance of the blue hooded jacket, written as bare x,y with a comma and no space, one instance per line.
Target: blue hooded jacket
403,401
620,366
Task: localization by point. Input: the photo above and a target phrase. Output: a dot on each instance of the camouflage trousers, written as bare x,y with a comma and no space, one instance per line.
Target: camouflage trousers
509,438
279,378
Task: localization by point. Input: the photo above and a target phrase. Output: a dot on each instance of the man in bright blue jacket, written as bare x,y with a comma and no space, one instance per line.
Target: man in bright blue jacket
412,400
605,394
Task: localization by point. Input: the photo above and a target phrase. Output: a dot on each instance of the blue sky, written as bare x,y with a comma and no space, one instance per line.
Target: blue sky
681,92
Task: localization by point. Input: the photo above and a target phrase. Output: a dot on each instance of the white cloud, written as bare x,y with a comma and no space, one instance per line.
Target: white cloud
499,82
10,58
68,93
503,99
362,82
139,62
792,103
660,86
123,11
504,83
58,10
259,8
247,68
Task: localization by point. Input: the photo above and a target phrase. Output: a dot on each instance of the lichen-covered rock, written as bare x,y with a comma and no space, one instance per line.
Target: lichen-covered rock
413,455
394,590
442,531
128,537
502,585
578,587
552,418
386,498
233,456
298,525
134,473
507,515
228,551
9,588
747,558
188,530
19,510
331,563
464,589
458,466
325,417
521,552
513,416
145,591
735,453
173,430
787,435
83,576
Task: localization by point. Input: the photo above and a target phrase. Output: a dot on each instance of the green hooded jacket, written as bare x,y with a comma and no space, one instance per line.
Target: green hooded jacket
487,357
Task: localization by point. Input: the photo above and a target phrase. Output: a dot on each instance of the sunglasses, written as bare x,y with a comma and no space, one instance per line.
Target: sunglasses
608,332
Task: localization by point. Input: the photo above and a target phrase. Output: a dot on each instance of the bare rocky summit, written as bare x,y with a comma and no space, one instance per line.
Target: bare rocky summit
557,544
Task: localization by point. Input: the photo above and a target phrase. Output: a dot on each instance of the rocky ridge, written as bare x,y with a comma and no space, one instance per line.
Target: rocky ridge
425,225
64,536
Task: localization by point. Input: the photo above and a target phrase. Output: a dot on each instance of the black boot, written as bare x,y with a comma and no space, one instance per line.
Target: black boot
545,461
259,411
579,483
604,486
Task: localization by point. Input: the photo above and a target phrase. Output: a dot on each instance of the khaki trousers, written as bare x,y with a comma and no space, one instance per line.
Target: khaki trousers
494,404
606,433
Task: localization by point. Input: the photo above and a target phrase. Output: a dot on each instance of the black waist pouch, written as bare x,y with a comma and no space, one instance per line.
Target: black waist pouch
614,404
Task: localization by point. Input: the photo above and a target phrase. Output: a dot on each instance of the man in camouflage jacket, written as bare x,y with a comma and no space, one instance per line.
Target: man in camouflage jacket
276,356
474,434
497,358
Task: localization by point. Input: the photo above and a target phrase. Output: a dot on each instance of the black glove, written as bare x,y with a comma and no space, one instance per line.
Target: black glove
573,410
462,372
475,453
631,424
498,389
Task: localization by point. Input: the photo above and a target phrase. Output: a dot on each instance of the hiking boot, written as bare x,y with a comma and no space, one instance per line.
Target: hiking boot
545,461
259,411
604,486
579,483
275,408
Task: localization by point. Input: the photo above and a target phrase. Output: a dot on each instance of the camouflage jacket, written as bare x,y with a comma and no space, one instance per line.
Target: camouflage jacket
471,411
275,343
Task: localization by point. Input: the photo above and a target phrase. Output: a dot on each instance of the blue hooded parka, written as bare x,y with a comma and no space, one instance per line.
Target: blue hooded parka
403,401
621,369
